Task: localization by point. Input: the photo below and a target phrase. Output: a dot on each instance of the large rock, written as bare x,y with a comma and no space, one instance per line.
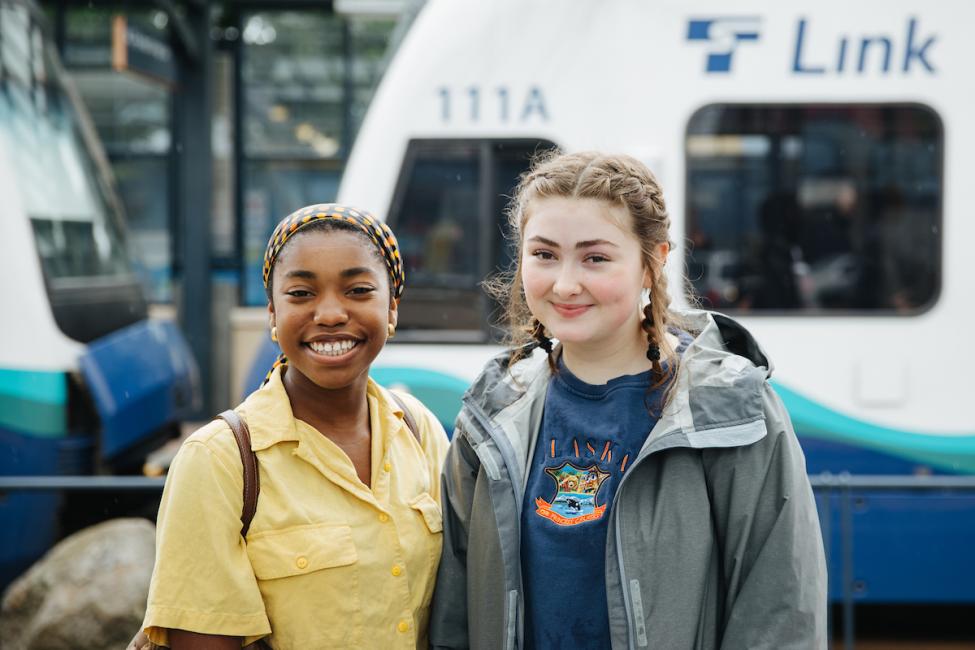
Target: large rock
88,592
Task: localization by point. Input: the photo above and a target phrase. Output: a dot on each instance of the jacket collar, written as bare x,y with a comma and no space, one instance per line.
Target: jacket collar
722,355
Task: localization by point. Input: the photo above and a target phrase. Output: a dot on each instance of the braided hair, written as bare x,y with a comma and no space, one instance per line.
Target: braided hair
619,180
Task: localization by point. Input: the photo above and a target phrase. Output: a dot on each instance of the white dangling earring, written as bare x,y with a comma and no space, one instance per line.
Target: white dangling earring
645,299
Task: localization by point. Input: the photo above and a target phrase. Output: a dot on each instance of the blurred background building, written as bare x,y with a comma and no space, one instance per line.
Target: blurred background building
279,88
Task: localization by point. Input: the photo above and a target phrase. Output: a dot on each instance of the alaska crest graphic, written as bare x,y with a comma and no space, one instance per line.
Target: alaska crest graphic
575,495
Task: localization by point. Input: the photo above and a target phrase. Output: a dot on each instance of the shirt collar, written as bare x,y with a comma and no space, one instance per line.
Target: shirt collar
270,419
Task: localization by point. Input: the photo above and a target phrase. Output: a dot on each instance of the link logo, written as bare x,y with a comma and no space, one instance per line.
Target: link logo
722,36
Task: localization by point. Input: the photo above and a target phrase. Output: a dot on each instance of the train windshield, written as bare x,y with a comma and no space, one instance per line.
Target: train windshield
75,236
75,218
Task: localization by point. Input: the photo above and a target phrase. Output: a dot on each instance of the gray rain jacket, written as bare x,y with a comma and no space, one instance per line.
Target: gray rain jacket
713,539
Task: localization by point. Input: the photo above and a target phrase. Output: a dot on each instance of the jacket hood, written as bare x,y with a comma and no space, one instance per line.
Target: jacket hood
717,401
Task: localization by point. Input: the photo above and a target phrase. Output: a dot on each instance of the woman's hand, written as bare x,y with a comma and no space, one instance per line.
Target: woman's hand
139,642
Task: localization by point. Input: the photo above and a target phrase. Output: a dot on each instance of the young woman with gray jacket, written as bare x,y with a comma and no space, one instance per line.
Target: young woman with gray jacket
638,483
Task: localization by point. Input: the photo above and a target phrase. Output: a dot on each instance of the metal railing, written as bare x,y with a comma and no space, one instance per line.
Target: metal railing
81,484
827,488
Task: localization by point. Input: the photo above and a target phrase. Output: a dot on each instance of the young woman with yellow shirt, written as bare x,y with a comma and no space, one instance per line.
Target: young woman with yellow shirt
344,546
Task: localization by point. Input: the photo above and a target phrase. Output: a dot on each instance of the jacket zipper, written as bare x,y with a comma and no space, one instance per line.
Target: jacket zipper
630,617
619,563
627,605
507,455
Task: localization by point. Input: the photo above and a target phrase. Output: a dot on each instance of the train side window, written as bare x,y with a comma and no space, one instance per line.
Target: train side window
828,209
448,212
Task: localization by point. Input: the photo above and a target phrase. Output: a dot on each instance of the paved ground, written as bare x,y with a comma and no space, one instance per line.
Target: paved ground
909,627
910,645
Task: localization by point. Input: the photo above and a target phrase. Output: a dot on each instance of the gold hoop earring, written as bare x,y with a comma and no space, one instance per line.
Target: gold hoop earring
390,331
274,334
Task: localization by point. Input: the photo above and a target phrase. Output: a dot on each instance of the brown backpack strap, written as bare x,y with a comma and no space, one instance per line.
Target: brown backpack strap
407,417
252,479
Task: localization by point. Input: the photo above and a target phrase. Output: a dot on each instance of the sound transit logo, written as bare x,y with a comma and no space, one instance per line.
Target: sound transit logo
722,36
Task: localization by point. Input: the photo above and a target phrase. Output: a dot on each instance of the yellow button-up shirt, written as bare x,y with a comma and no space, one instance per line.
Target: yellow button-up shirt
328,562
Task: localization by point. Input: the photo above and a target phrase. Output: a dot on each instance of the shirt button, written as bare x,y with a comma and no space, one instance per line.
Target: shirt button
388,466
383,517
301,562
396,570
403,626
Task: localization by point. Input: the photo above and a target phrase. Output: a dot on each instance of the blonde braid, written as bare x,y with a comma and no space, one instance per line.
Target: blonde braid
663,319
618,180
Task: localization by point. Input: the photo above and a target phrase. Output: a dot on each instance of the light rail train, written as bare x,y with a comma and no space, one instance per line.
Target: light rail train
88,384
814,158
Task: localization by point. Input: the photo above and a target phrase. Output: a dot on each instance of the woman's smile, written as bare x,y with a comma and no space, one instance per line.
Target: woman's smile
335,349
569,310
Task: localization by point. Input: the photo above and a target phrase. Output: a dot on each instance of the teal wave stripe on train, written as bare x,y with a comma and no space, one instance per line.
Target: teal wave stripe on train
33,402
442,394
439,392
953,453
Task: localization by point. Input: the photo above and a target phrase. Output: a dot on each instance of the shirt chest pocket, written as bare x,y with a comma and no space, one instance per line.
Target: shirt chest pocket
429,532
301,550
430,511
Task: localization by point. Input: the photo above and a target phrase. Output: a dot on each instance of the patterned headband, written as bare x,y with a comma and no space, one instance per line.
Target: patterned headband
378,232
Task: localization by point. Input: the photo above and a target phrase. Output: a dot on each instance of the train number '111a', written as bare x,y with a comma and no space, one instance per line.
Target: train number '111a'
476,104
